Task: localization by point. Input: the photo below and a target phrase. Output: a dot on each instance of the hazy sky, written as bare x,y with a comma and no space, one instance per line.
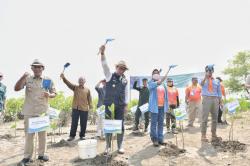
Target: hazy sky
149,34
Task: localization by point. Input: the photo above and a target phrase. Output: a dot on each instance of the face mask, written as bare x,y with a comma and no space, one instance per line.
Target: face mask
156,77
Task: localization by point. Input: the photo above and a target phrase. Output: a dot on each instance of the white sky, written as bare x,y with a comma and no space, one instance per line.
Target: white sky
148,33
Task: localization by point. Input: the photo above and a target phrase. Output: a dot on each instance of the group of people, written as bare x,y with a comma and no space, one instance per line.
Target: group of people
200,98
162,99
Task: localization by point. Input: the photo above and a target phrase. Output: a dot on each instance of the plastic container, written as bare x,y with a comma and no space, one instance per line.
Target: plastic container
87,148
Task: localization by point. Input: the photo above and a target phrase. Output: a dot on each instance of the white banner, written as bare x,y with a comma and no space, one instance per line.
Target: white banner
38,124
53,113
133,109
112,126
180,113
232,106
144,108
101,111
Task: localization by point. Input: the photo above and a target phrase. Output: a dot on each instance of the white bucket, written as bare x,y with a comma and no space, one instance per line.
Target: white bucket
87,148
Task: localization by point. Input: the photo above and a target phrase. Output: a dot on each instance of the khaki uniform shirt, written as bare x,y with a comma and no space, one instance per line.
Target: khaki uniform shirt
35,103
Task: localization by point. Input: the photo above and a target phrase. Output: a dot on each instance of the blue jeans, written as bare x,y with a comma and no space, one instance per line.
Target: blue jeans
156,129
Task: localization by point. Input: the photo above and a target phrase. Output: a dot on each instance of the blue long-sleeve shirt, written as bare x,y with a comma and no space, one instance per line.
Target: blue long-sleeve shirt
216,89
153,97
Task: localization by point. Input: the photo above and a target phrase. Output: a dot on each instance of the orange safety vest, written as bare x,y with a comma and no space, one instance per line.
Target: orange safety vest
172,95
193,93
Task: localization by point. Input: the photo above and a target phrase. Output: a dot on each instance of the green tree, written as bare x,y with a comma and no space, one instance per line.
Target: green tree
237,70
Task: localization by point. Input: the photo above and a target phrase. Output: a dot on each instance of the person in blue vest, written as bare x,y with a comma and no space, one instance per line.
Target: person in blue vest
100,89
117,94
158,105
2,97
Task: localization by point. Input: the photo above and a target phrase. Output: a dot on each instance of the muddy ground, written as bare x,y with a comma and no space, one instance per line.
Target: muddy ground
139,149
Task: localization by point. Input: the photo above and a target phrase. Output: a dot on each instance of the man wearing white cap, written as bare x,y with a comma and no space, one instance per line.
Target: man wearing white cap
117,94
35,104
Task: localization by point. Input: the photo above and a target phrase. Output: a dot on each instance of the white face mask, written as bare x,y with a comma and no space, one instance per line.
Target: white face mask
156,77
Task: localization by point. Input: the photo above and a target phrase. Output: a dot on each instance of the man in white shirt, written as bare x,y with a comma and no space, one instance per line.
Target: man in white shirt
117,94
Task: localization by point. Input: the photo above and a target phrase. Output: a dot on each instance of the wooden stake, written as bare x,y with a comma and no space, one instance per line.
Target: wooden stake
36,135
183,142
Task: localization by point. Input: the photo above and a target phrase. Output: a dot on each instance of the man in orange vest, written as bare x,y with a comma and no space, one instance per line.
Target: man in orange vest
173,101
224,98
193,101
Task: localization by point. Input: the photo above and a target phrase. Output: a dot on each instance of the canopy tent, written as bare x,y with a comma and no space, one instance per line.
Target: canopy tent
180,81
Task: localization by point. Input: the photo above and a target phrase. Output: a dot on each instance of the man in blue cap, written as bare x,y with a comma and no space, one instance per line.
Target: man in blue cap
211,101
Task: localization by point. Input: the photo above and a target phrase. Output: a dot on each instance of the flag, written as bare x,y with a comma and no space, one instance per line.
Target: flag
172,66
109,40
67,65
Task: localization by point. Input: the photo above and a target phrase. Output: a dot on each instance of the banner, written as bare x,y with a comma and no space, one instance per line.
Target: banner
144,108
232,106
180,81
180,113
133,109
53,113
101,111
38,124
112,126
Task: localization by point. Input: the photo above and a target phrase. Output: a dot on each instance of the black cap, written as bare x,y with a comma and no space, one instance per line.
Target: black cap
170,80
155,70
218,78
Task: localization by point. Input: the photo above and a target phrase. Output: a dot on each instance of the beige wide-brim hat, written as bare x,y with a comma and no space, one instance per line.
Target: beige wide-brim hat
122,64
36,62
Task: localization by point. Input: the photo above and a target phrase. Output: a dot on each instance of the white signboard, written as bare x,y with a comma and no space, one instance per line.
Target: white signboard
38,124
180,113
112,126
133,109
144,108
53,113
232,106
101,111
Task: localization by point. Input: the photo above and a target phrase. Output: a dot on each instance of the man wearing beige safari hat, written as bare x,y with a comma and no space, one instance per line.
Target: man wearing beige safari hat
121,64
35,104
117,94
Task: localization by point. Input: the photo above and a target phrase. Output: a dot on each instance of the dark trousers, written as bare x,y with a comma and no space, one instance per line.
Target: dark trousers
83,122
118,115
219,115
138,115
171,117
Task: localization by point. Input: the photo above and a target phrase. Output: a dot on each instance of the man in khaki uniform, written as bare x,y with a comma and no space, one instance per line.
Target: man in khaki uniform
35,104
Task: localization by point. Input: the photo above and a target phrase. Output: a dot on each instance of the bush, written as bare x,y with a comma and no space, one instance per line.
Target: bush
60,102
13,109
244,104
